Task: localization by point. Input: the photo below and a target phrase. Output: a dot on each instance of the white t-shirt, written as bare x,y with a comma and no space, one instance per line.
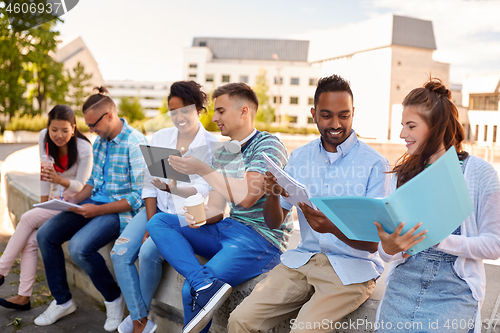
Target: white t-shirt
167,138
332,156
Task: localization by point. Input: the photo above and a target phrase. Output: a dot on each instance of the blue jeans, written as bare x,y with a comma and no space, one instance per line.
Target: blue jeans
86,236
138,293
235,251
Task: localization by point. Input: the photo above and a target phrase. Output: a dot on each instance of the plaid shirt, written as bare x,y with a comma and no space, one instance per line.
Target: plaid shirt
125,169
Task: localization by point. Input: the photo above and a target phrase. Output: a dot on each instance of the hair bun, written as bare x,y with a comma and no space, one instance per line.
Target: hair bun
436,85
101,90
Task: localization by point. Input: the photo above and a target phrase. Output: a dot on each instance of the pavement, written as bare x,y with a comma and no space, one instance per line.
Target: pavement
90,314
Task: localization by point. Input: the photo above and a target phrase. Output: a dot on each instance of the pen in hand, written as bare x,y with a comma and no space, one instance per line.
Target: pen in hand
61,194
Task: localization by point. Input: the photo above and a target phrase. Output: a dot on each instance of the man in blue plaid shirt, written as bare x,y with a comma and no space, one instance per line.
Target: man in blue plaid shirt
111,197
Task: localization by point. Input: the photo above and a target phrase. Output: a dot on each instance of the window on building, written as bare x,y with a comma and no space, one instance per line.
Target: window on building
294,100
226,78
192,76
313,81
202,44
483,102
294,81
209,78
193,65
485,133
244,78
494,133
292,119
477,133
310,120
276,80
310,101
275,99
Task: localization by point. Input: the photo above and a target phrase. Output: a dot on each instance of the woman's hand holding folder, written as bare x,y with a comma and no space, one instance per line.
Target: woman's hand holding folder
395,242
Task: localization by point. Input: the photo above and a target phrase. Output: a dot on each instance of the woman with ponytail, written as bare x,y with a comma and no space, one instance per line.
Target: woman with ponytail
71,152
440,289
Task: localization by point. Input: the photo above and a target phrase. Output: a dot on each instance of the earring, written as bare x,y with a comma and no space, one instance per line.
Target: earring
73,134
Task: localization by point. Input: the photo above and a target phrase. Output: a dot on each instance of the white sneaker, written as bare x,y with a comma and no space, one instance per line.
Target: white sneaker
127,325
150,327
53,313
114,313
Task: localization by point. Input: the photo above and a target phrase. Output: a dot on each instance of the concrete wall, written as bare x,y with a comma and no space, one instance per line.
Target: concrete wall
20,173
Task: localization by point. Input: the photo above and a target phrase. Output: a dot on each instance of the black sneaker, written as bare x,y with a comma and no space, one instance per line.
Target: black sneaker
204,303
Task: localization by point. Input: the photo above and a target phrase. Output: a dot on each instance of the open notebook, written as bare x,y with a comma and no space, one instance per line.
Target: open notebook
56,204
297,191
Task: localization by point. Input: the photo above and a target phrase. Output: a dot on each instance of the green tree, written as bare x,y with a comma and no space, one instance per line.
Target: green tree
265,112
13,75
131,109
164,106
25,59
47,78
78,84
206,117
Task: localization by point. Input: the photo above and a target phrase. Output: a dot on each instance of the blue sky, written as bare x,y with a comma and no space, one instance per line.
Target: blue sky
143,40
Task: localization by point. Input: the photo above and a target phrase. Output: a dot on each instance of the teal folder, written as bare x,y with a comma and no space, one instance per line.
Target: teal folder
438,197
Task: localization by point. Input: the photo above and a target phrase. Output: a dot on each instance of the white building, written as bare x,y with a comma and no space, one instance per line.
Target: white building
151,94
216,61
481,94
73,51
384,58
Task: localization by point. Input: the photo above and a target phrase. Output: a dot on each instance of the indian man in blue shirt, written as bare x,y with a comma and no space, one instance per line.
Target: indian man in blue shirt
328,275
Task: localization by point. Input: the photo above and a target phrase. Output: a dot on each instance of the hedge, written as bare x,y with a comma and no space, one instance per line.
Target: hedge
37,123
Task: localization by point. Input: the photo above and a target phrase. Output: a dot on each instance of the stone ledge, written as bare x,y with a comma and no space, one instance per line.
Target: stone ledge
166,308
19,179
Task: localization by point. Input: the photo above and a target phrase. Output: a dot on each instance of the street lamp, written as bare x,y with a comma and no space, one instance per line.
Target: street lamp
278,83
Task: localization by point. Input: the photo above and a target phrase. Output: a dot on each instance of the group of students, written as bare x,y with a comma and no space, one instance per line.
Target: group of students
325,278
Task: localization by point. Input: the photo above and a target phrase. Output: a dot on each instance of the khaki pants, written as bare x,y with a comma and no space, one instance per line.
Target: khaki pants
313,290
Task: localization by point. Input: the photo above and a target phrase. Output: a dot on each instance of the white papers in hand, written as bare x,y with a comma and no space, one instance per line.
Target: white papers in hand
56,204
297,192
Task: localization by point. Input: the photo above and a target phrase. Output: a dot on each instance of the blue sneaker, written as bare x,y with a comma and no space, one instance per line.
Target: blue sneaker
204,303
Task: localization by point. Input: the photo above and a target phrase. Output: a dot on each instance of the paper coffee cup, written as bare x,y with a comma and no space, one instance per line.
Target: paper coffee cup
195,205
